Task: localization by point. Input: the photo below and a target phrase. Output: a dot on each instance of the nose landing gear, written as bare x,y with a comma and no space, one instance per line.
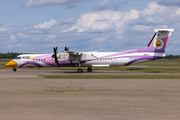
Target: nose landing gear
14,69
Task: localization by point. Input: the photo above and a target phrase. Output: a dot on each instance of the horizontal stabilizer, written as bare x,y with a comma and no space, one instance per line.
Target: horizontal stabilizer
164,30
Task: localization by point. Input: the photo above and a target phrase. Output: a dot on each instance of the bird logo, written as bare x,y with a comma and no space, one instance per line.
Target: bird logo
158,44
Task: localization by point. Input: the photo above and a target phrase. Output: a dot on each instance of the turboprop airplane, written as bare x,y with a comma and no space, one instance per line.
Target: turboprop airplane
154,50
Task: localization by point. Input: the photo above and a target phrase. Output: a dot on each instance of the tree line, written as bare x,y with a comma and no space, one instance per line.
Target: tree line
13,55
172,57
8,55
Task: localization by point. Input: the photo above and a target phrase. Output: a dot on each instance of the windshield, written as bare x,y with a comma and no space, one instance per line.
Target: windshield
18,57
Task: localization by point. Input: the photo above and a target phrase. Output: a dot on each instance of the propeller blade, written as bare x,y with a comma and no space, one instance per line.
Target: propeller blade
56,62
56,49
66,48
55,56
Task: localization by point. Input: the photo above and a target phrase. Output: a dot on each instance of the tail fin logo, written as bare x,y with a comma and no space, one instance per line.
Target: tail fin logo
158,44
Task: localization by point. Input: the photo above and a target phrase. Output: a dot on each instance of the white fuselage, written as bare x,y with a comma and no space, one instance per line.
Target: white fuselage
103,59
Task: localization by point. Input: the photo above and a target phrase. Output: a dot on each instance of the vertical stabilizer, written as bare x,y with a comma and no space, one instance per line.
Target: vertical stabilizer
160,39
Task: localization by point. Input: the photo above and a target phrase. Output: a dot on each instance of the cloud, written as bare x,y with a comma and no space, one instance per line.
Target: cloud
113,28
23,35
50,37
35,31
169,2
26,39
157,14
39,3
3,29
15,45
45,25
102,31
155,9
177,11
68,21
106,4
103,5
99,39
141,28
104,21
13,38
117,6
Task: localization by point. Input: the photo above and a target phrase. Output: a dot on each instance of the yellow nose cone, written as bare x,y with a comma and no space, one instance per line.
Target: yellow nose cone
11,64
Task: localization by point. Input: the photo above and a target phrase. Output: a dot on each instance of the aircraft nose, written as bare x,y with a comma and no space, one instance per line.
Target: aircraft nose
11,64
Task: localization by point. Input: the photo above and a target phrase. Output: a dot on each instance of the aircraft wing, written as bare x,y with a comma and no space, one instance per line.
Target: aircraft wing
73,53
75,56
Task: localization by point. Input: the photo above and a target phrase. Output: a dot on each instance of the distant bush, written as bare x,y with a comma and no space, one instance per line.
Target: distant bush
172,57
8,55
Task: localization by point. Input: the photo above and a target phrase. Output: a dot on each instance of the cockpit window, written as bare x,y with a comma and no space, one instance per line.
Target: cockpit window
18,57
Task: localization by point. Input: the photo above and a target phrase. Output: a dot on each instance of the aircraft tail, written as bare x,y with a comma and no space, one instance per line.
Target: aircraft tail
160,40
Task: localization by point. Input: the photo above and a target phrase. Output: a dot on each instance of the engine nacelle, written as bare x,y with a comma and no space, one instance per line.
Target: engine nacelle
63,57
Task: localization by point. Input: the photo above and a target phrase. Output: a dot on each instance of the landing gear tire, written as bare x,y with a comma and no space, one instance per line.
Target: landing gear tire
79,70
14,69
89,69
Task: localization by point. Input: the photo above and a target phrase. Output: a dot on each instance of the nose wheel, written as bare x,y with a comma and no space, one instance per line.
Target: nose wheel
14,69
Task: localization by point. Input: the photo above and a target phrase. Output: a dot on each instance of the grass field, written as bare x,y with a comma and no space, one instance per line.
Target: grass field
3,63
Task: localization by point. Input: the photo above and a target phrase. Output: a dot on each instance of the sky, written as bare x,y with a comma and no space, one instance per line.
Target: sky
36,26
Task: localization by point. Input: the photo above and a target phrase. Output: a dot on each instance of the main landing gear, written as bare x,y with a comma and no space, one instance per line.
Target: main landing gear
89,69
14,69
79,70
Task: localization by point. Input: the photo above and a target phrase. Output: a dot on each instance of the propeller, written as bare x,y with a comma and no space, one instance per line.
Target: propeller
66,48
55,56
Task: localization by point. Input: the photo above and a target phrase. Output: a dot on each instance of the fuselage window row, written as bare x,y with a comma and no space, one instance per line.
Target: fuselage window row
43,59
104,59
53,59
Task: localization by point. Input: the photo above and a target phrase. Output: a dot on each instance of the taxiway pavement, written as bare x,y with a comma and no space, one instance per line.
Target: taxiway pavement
26,96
